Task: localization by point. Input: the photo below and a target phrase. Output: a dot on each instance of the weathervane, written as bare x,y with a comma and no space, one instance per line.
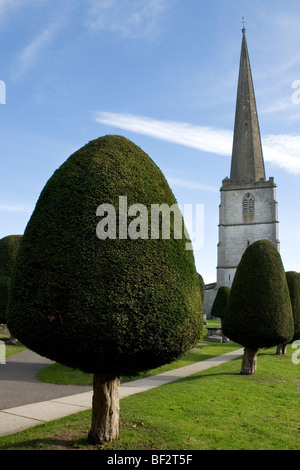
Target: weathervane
243,23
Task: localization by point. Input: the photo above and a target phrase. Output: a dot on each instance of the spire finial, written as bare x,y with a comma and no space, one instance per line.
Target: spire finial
243,23
247,162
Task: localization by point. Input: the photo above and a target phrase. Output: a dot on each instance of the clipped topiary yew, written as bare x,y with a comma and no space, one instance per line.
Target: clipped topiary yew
8,251
259,312
293,281
86,294
219,305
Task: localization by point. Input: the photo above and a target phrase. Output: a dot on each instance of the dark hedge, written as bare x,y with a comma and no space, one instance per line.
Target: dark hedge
293,280
202,285
8,250
110,306
220,302
259,311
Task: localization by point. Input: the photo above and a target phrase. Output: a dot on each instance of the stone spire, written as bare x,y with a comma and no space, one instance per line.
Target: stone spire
247,162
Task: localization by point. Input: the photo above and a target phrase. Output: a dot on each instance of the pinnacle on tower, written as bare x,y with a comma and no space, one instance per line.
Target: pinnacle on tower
247,162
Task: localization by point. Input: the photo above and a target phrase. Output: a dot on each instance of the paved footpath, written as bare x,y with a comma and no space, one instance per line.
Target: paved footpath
26,402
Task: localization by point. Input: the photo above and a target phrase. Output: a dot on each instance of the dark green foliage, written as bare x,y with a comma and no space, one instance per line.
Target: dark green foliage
8,250
293,280
113,306
259,311
220,302
201,286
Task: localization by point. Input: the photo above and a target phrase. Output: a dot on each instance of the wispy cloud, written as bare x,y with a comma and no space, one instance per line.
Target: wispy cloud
30,54
202,138
280,150
283,151
130,18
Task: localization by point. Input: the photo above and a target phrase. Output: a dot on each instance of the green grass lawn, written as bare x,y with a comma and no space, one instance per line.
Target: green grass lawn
217,409
11,349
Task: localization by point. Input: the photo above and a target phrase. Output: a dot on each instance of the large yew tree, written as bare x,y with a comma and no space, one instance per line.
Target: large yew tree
259,312
86,294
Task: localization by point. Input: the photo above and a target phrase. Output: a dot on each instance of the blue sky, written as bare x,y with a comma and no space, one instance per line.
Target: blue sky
163,73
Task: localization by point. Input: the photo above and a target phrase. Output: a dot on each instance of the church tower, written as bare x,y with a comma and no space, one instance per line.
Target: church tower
248,208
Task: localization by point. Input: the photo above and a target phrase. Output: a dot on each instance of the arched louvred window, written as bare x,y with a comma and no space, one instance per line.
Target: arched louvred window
248,204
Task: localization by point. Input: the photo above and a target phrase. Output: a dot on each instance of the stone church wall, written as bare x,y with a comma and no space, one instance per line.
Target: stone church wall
210,293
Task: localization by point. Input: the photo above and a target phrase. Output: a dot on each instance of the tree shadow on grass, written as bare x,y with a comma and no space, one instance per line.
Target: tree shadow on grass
60,443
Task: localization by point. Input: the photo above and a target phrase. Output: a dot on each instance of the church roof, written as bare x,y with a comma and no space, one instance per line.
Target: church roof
247,162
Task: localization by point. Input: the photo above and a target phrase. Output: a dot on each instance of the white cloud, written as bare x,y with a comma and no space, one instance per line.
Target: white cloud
199,137
130,18
30,54
283,151
280,150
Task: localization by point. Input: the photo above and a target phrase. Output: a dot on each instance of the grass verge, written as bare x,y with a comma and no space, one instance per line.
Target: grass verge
217,409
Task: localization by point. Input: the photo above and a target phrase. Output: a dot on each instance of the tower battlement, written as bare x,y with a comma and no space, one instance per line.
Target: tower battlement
229,184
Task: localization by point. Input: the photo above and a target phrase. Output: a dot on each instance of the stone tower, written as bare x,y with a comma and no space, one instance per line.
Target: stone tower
248,208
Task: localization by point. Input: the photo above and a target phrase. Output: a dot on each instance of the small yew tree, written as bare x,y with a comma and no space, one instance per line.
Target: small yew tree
8,251
219,305
111,306
293,281
259,312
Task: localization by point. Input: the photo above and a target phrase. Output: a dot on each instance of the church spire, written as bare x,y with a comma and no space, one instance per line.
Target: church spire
247,158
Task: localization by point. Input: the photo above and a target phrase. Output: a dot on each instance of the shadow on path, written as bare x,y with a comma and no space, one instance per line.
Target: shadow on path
19,385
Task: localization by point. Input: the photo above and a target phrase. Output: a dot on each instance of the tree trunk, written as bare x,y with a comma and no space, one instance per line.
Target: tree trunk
249,361
105,412
281,349
12,340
